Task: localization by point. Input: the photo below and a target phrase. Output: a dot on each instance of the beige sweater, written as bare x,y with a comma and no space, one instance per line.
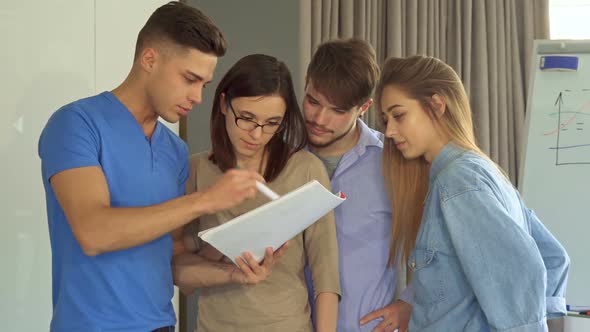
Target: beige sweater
279,303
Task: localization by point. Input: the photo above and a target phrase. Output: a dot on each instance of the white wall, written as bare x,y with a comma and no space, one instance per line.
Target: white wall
53,52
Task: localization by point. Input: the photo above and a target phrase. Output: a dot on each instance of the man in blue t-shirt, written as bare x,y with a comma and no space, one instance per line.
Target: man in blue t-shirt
114,180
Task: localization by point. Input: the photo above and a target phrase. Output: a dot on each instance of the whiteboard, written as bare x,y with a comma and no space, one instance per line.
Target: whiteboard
555,170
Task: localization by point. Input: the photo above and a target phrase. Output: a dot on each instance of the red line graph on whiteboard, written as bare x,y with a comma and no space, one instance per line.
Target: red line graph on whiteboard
572,137
581,111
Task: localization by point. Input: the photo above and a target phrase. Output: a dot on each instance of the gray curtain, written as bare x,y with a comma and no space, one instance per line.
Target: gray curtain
488,43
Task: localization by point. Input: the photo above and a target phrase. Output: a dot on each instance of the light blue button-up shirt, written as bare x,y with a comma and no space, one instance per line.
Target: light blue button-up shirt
363,228
482,260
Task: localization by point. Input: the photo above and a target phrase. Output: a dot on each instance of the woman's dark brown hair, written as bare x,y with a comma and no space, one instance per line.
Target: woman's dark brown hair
258,75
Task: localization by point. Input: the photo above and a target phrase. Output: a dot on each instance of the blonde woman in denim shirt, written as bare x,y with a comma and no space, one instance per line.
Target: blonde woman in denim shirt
480,260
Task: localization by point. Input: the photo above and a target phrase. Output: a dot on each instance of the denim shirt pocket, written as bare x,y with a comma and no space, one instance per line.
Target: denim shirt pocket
428,279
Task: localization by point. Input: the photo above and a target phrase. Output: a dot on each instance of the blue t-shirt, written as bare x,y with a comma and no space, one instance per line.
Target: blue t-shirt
126,290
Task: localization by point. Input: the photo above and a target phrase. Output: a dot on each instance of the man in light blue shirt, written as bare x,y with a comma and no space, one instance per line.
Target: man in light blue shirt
339,83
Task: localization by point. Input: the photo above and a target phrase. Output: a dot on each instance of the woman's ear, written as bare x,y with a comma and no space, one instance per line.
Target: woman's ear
439,105
222,103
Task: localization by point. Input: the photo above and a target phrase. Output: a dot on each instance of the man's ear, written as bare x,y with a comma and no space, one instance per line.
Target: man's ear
439,105
364,107
148,58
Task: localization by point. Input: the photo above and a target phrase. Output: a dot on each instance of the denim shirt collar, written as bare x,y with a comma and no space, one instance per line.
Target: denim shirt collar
447,155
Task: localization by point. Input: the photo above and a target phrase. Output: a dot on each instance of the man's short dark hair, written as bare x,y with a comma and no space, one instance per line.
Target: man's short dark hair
182,25
345,71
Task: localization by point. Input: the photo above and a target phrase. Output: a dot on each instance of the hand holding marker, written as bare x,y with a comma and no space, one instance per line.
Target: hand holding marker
265,190
274,196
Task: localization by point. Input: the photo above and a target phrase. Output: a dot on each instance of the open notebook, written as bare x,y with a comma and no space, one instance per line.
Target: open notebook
273,223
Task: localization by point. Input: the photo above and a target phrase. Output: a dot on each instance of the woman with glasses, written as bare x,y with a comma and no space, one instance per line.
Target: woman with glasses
256,124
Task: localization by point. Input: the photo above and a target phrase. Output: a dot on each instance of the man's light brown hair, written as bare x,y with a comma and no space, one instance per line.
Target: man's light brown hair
345,71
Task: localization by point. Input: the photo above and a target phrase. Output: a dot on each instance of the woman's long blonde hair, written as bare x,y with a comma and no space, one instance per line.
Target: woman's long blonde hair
420,77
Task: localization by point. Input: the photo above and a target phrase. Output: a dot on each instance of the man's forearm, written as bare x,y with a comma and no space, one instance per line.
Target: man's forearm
108,229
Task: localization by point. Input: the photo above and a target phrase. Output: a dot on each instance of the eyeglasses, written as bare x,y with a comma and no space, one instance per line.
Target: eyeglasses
249,125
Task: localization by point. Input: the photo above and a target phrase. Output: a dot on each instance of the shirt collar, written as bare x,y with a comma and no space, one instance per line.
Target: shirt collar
447,155
367,137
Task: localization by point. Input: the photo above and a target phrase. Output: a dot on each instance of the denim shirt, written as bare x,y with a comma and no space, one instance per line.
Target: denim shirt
482,260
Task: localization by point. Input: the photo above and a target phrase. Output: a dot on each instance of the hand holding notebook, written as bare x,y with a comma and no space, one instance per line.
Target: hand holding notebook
273,223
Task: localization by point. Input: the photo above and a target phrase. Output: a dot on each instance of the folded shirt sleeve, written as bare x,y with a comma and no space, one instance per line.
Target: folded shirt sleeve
556,262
